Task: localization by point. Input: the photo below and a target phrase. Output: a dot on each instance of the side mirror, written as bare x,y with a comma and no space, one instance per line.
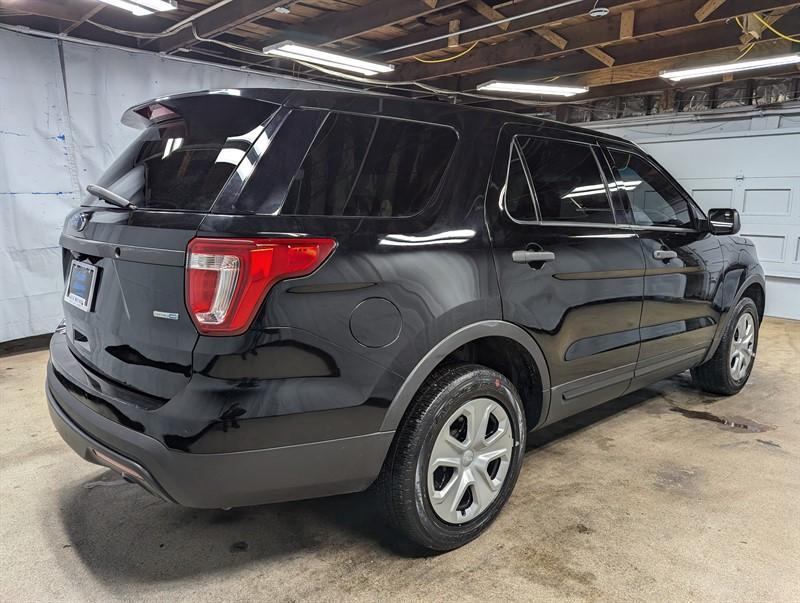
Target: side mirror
724,221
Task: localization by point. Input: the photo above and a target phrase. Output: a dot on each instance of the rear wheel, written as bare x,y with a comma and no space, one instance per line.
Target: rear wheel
456,457
729,368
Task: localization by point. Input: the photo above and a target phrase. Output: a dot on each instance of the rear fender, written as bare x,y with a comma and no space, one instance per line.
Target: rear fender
487,328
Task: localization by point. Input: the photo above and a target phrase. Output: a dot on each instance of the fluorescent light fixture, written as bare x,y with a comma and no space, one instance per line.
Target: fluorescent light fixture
143,7
497,86
677,75
157,5
134,8
290,50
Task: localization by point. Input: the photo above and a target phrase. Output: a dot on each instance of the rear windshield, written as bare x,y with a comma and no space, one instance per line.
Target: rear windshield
183,163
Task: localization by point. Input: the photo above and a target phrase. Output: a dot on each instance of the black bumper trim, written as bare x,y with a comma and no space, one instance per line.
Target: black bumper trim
220,480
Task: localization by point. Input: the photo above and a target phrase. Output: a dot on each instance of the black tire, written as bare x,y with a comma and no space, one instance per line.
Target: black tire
714,376
403,483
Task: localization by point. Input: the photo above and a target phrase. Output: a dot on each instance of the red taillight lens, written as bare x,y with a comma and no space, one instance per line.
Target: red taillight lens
227,279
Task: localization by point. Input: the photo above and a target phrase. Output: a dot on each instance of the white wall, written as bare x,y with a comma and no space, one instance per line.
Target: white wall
746,159
59,128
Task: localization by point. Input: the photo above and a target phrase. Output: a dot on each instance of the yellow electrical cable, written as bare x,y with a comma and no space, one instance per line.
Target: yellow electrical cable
746,50
450,58
773,30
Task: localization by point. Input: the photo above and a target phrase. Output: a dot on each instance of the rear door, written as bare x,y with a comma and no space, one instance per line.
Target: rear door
683,265
569,272
125,311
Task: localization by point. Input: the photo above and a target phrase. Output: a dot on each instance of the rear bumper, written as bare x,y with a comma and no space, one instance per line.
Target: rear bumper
217,480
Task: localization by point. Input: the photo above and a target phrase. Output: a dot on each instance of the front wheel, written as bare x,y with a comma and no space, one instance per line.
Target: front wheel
456,457
729,368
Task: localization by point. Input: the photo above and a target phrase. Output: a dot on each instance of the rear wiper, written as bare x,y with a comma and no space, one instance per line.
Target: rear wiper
109,196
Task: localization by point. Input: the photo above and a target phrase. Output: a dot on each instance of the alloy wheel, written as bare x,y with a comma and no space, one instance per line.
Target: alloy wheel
741,355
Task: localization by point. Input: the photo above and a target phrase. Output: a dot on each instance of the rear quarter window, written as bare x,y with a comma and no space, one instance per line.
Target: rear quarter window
370,166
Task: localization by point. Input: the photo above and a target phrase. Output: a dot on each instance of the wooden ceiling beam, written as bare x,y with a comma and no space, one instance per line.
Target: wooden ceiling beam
580,69
669,17
702,13
88,15
489,13
549,18
225,18
626,24
600,55
72,11
651,69
340,25
556,40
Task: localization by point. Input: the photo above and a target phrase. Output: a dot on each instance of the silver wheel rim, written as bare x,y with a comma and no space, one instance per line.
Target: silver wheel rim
470,460
741,356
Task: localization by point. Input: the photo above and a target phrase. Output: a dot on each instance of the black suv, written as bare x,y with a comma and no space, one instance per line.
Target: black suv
279,294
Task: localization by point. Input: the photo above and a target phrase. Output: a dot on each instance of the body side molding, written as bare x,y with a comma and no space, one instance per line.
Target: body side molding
478,330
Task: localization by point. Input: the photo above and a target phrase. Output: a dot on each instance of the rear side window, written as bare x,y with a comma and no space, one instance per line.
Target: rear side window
567,182
183,162
654,200
368,166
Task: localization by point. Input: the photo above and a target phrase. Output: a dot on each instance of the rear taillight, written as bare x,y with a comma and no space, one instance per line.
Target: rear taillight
227,279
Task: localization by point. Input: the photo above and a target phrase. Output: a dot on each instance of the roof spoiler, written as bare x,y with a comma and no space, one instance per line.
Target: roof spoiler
158,110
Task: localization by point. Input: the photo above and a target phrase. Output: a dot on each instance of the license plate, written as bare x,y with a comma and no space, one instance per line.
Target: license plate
80,285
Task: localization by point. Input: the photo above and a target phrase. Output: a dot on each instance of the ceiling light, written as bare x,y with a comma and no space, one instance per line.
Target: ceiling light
309,54
157,5
143,7
598,11
282,10
495,86
134,8
677,75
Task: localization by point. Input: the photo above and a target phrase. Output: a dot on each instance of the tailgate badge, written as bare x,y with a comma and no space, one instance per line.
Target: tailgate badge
167,315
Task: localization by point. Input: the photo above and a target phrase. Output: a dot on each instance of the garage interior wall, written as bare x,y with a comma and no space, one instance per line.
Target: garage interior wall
748,159
60,109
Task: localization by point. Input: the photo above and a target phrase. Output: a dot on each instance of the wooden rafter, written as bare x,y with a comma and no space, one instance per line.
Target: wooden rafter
579,67
487,11
342,25
626,24
702,13
671,17
556,40
221,20
600,55
550,18
454,26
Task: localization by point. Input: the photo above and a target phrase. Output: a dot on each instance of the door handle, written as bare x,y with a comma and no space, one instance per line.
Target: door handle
522,256
664,254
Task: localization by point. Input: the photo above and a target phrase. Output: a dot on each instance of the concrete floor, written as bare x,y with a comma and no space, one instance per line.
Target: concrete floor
630,501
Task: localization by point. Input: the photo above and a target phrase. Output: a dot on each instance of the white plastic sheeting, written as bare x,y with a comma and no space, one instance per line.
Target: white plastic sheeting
59,128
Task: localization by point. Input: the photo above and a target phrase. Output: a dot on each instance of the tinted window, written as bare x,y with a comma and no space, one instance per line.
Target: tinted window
367,166
518,199
566,181
654,200
265,191
183,163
